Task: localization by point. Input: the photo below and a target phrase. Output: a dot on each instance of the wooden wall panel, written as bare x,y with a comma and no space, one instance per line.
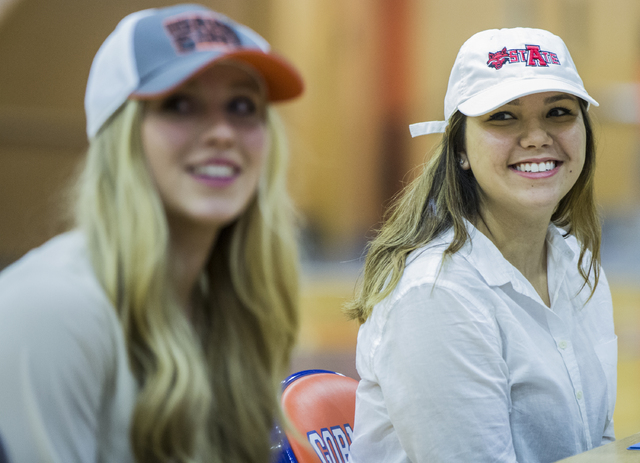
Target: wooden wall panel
334,127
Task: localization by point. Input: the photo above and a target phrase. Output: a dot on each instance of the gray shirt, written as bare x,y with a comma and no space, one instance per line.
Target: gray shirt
66,390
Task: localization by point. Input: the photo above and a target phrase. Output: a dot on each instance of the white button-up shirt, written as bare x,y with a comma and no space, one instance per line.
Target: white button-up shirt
469,365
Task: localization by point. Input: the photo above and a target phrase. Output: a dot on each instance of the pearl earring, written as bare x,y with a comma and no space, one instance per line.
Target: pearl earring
461,162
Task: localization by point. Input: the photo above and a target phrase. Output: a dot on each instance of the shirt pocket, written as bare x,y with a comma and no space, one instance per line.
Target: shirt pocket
608,355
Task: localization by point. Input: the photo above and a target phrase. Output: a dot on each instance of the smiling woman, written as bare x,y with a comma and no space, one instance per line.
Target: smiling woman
160,328
487,329
206,145
525,157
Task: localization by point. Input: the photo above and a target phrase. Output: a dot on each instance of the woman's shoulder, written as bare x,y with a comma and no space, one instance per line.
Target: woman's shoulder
63,258
54,283
66,251
444,290
64,364
431,279
429,265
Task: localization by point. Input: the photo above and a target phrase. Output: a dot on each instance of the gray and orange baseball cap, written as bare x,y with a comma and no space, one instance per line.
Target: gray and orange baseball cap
154,51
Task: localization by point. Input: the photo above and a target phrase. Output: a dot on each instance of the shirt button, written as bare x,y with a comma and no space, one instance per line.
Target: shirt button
562,345
579,395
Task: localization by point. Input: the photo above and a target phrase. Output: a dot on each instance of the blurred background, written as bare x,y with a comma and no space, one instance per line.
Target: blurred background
371,68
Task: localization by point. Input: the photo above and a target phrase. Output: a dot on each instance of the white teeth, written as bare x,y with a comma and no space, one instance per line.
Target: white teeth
214,170
541,167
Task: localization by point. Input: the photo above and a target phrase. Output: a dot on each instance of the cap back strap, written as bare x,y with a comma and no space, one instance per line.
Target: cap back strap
425,128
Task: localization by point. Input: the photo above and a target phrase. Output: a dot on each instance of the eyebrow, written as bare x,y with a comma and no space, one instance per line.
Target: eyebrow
249,84
563,96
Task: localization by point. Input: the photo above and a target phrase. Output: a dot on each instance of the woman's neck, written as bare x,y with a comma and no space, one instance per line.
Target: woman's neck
522,241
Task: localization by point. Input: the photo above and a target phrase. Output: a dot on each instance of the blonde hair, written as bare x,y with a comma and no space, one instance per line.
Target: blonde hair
443,196
209,389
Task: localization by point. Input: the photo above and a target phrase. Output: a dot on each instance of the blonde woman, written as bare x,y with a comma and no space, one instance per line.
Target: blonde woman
160,328
487,331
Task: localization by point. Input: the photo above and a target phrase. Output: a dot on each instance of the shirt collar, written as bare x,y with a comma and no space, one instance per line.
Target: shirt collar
480,252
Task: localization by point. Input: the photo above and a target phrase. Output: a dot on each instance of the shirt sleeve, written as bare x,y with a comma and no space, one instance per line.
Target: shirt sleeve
56,353
443,378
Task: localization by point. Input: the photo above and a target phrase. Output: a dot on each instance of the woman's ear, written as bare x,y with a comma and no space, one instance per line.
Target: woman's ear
464,161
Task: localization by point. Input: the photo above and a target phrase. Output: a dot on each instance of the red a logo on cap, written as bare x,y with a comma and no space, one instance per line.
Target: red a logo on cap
535,56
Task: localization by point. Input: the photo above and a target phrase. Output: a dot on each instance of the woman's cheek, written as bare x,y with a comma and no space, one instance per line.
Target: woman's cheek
258,141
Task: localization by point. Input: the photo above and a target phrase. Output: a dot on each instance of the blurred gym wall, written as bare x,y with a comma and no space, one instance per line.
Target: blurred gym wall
371,68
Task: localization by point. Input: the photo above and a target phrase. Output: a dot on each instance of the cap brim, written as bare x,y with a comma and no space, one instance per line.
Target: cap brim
498,95
282,80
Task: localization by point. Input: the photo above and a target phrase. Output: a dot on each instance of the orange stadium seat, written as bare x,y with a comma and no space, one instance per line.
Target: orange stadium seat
321,405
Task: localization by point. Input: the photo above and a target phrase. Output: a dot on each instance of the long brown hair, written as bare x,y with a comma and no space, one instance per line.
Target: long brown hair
443,196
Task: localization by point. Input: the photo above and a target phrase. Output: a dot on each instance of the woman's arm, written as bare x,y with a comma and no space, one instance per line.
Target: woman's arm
55,358
444,381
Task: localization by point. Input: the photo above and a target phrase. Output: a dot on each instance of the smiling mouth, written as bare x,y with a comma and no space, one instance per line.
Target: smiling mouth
536,166
215,171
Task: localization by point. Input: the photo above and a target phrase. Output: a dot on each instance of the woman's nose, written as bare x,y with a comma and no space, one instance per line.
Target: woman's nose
218,131
535,135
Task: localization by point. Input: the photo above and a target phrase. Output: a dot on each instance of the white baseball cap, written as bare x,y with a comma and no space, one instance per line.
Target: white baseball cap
151,52
496,66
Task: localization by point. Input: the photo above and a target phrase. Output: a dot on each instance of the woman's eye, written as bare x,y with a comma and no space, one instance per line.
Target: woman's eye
242,106
558,112
501,116
179,104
